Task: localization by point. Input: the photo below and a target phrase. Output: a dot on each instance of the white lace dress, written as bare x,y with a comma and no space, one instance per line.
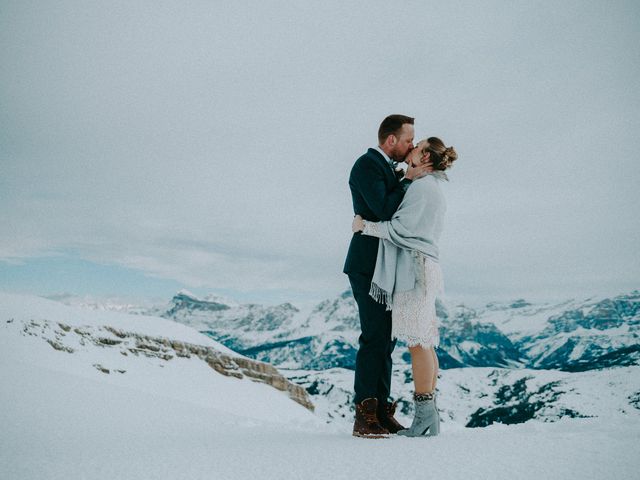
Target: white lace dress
414,318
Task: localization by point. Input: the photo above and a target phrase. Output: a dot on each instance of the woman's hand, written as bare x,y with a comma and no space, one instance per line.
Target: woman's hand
358,224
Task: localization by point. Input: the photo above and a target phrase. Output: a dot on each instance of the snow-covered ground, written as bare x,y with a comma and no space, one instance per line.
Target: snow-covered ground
63,418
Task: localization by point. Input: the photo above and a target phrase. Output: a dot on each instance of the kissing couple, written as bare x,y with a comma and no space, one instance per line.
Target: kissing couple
394,272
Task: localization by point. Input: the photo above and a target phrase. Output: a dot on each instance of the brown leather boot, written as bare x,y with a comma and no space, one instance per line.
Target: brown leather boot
366,424
386,411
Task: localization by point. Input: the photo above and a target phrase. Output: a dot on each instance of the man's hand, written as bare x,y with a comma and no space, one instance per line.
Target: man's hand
418,167
358,224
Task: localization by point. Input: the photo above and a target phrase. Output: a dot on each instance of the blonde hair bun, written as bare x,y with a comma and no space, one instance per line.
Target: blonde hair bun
444,156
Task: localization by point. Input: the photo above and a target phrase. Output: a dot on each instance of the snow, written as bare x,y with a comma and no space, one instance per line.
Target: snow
64,419
112,303
212,298
602,394
89,429
469,346
520,322
27,307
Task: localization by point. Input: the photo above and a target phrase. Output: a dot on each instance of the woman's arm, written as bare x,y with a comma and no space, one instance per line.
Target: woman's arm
367,227
409,221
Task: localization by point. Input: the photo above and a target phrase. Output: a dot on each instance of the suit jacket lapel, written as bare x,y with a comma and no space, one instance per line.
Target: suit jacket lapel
383,161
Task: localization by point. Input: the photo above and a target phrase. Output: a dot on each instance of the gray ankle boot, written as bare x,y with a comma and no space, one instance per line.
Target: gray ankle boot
435,405
426,422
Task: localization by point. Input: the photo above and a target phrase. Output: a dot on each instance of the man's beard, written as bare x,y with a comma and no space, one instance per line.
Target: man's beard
397,157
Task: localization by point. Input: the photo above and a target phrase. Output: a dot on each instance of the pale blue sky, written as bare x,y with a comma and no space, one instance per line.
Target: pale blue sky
150,146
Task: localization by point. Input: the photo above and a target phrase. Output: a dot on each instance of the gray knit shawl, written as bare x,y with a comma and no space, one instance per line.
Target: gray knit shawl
414,229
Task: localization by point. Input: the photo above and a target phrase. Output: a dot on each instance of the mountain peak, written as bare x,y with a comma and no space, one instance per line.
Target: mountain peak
185,300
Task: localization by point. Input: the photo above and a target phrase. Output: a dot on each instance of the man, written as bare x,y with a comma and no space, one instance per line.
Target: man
376,192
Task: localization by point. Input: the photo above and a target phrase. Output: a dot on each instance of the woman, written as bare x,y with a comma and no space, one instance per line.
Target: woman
408,277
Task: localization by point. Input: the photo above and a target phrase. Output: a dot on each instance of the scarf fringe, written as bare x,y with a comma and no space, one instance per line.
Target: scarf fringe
381,296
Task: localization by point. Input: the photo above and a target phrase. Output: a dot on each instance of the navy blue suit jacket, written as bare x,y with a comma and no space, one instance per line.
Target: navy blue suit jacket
376,193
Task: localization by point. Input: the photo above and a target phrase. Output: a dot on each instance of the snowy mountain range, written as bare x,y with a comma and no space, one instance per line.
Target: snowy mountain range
569,336
512,362
505,362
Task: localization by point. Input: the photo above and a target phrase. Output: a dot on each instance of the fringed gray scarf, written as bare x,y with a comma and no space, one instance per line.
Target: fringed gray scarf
414,229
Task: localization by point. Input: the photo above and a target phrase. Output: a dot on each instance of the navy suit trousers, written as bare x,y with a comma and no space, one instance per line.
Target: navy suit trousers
373,361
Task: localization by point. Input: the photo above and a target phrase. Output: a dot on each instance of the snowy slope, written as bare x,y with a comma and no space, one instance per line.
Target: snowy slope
27,308
145,354
64,418
60,426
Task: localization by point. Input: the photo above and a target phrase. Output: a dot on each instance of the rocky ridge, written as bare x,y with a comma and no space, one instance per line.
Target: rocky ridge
58,334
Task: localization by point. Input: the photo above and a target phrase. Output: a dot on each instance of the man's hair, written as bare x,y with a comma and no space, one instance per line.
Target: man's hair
392,126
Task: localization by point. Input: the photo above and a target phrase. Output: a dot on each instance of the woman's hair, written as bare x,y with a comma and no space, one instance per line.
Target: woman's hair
441,157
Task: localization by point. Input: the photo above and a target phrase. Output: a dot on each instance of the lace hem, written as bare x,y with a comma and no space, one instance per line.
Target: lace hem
412,341
414,318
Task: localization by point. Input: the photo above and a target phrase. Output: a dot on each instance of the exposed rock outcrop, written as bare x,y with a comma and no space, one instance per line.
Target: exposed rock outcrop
132,343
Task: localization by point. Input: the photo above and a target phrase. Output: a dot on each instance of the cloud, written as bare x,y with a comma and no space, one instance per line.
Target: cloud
213,146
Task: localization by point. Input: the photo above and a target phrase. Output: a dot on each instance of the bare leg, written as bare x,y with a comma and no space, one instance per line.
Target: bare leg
426,421
424,369
435,369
